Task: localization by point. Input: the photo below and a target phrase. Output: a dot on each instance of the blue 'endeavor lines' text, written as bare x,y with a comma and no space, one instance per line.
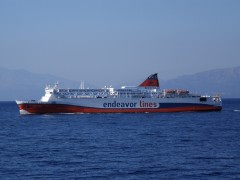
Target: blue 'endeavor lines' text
141,104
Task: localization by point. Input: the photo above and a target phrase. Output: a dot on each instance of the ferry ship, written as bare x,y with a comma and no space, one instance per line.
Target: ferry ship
144,98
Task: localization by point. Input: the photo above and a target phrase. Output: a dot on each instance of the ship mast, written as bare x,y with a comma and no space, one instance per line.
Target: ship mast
82,84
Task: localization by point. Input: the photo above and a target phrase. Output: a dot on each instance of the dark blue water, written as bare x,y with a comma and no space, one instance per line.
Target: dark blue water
120,146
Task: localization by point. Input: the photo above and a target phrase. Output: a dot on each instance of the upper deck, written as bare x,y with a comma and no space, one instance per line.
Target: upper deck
147,89
137,92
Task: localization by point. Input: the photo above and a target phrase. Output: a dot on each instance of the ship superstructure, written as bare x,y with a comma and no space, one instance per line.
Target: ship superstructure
147,97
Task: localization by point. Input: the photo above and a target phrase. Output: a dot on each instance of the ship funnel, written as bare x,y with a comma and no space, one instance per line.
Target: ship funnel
151,81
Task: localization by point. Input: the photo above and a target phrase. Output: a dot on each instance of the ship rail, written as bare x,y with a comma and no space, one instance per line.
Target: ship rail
120,93
107,93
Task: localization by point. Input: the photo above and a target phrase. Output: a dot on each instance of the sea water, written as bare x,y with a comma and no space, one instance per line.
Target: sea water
189,145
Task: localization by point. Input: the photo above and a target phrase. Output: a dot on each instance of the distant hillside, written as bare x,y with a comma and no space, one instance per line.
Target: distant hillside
21,84
226,82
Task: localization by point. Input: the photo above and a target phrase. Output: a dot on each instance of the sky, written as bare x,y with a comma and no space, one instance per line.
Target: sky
116,41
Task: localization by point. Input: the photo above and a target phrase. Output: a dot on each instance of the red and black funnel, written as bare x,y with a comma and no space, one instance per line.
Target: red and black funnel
151,81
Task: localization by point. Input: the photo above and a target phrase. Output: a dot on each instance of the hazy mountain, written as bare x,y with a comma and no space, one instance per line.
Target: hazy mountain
21,84
226,82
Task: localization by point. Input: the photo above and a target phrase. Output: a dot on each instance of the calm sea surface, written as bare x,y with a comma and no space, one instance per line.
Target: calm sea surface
121,146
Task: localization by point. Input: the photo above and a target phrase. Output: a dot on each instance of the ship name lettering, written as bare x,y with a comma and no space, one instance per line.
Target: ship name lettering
148,104
119,105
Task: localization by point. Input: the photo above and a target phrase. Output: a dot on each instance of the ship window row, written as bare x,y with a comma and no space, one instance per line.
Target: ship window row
82,90
81,94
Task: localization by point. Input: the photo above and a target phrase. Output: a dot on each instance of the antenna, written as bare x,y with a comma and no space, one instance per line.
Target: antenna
82,84
56,85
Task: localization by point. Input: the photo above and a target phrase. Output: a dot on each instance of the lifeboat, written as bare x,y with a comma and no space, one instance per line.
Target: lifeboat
169,91
182,92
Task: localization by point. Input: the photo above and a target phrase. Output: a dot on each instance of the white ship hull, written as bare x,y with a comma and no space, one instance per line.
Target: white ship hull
104,105
141,99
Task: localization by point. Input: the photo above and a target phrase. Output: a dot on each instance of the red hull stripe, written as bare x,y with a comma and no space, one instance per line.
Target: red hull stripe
63,108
